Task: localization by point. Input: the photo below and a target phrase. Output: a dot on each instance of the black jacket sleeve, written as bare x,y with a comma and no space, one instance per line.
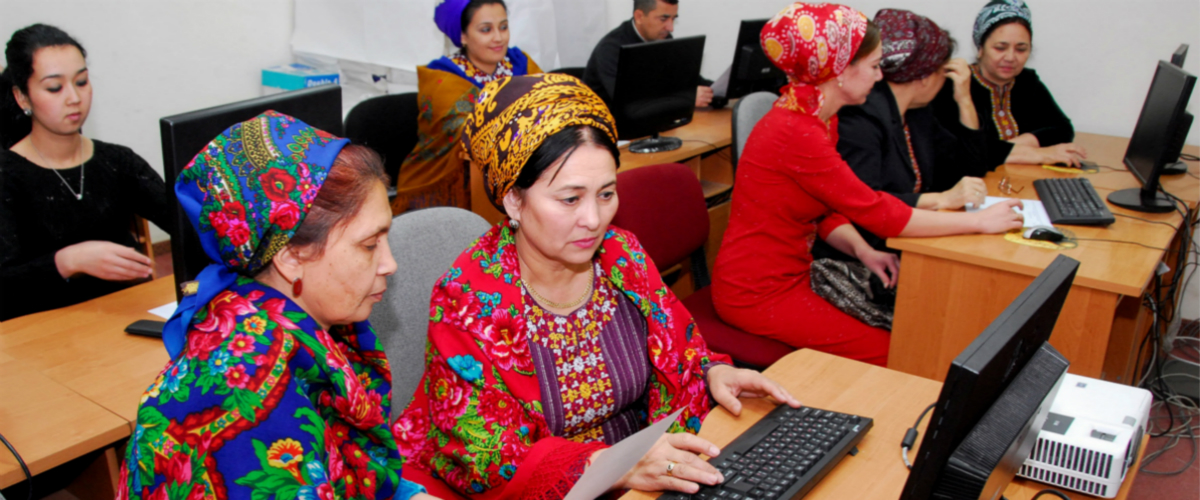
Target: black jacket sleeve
147,191
601,71
862,142
1047,121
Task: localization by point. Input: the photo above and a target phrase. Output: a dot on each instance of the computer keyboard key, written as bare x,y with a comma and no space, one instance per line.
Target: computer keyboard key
742,486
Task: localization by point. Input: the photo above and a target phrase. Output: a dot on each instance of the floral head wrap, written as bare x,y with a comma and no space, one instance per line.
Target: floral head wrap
513,116
913,46
246,194
999,10
448,17
812,44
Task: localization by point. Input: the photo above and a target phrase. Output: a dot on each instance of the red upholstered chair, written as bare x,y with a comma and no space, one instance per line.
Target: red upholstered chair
663,205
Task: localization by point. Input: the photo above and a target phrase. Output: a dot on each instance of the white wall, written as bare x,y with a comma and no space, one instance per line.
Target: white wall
154,58
1096,56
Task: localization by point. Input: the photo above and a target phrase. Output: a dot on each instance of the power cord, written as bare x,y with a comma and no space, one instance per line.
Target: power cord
25,468
910,437
1051,491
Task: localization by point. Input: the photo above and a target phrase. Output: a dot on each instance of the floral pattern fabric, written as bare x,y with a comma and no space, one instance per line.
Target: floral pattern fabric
811,43
263,403
477,420
504,69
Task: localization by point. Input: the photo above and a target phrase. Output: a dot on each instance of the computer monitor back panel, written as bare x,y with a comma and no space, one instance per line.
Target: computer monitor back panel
656,85
184,135
1165,103
752,71
984,370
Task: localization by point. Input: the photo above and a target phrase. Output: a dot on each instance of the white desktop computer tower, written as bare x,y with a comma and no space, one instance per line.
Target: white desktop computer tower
1091,437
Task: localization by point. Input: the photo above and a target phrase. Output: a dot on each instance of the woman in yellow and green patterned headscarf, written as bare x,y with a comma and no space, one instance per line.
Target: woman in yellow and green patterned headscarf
553,336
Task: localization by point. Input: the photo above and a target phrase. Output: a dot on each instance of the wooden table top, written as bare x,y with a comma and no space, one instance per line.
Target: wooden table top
893,399
709,129
85,348
48,423
1121,268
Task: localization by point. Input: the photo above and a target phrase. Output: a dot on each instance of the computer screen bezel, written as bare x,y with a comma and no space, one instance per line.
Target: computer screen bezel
630,83
181,136
1143,137
971,383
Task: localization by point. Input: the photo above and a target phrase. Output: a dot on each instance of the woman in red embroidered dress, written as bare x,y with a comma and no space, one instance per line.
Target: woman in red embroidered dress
554,336
792,185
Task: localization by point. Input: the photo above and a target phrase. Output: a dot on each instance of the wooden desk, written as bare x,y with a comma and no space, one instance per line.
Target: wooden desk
85,348
951,288
891,398
48,423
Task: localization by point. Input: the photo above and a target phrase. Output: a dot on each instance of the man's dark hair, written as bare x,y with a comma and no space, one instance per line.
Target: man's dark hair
649,5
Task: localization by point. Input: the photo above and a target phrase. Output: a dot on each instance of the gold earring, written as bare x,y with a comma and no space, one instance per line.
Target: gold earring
839,84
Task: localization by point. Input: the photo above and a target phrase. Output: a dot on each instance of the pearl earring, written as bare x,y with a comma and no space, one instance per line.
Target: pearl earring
28,112
514,224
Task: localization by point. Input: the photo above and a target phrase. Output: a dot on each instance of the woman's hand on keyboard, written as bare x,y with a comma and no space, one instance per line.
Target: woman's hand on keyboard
727,384
687,473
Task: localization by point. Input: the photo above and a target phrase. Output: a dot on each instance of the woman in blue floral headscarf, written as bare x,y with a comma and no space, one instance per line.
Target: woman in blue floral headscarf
277,386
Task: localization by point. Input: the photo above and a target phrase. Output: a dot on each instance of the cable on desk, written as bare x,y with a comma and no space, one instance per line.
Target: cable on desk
714,146
1188,157
910,437
1146,220
1051,491
25,468
1123,241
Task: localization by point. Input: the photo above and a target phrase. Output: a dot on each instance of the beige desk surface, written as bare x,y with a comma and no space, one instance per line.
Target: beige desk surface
85,348
48,423
709,130
891,398
1120,268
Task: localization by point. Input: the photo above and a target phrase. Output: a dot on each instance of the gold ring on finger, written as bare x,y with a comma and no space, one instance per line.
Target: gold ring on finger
671,468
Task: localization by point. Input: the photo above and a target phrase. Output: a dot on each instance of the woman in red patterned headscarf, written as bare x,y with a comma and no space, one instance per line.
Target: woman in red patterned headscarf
792,185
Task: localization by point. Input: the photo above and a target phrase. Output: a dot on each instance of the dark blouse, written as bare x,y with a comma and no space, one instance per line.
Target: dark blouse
873,142
1029,105
39,216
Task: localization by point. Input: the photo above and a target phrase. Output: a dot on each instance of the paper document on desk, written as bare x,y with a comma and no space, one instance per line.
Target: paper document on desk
720,87
1034,211
165,311
617,460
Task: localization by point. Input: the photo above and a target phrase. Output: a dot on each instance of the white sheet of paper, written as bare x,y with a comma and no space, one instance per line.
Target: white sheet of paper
165,311
1034,211
721,87
617,460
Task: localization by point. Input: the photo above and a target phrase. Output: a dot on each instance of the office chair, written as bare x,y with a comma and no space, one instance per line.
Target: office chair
575,71
663,205
746,114
387,124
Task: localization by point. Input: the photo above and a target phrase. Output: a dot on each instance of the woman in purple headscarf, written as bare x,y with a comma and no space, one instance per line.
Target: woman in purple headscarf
435,174
895,144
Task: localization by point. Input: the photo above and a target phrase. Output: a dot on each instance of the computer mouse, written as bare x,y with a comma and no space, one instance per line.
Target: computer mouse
1044,233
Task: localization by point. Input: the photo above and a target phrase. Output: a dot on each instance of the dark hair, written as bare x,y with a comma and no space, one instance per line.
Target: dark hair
648,6
869,42
355,171
558,149
1010,20
25,42
472,7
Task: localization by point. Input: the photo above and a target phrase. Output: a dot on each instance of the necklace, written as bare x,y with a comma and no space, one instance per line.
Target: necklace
556,305
82,166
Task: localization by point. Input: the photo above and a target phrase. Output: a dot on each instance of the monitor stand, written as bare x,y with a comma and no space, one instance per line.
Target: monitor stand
1177,168
655,144
1132,199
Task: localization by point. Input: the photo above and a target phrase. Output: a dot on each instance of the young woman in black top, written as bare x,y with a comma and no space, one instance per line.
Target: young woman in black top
1017,113
66,201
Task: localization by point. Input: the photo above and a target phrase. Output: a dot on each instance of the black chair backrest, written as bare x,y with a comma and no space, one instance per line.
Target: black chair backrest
575,71
387,124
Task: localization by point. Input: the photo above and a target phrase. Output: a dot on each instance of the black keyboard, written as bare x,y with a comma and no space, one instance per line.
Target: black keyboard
1073,201
782,456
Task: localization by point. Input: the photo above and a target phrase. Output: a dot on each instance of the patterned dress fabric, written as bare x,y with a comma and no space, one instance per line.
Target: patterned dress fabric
1001,109
479,419
996,11
913,46
517,114
435,172
259,401
811,43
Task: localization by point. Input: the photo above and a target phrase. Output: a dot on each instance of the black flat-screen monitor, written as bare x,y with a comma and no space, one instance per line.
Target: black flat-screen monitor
1180,55
752,71
997,389
656,90
1162,115
184,135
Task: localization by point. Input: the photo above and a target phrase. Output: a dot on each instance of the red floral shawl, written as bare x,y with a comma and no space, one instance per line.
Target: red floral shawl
476,420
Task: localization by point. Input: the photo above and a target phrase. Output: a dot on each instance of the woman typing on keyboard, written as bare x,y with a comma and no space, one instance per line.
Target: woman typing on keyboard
792,185
553,336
